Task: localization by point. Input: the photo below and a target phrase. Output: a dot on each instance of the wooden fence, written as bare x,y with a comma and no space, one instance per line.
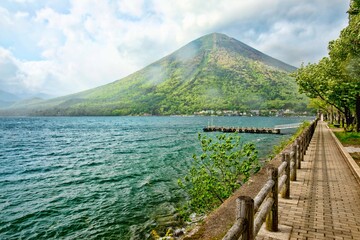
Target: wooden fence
248,219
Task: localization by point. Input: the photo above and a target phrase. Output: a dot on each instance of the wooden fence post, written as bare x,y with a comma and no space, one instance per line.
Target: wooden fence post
294,170
296,154
304,148
307,138
285,193
245,207
272,218
301,150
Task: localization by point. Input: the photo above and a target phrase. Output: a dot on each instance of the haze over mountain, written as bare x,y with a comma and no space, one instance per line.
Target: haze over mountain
212,72
6,98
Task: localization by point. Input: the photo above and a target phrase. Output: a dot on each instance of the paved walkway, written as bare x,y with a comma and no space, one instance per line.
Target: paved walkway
325,199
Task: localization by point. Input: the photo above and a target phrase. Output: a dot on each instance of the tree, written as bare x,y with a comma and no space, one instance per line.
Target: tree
350,43
336,79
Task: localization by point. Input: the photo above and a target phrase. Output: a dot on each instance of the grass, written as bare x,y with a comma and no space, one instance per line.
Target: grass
348,138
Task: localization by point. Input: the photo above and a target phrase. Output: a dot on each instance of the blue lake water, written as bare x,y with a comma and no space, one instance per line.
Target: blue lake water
101,177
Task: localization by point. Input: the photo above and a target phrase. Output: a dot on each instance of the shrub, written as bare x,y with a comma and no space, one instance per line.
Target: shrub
224,165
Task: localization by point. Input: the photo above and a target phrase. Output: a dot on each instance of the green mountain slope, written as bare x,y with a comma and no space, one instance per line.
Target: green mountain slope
213,72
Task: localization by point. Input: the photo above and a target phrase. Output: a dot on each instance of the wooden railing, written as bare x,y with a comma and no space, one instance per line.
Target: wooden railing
249,218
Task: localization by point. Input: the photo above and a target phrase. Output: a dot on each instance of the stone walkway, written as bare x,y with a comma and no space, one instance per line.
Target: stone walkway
325,199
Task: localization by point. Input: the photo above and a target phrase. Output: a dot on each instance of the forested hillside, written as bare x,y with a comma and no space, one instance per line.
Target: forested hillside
213,72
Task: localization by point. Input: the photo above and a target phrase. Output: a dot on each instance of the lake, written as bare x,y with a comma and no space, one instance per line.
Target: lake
101,177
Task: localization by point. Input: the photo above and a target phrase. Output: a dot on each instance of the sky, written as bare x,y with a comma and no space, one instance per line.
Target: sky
59,47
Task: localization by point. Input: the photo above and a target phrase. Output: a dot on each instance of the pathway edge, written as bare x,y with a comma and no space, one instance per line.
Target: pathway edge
355,169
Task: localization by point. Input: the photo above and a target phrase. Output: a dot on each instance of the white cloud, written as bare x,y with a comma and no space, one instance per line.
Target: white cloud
97,41
8,65
133,8
19,77
304,31
24,1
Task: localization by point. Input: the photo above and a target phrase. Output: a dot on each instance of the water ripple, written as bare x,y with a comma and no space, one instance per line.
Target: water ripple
97,177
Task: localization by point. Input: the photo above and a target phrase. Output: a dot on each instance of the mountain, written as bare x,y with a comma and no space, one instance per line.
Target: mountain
6,99
10,100
6,96
39,95
213,72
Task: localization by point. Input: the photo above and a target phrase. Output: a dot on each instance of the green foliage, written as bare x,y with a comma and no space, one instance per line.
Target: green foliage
351,138
224,165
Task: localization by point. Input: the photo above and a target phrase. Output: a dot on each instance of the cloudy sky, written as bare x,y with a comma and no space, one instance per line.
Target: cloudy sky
65,46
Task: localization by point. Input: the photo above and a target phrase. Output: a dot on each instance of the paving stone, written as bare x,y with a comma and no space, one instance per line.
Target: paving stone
325,199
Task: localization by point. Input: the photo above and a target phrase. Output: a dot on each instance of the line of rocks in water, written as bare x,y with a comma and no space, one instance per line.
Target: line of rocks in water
242,130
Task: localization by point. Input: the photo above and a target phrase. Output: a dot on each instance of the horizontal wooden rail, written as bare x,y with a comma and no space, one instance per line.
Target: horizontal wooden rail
236,230
263,193
282,181
282,167
247,225
265,209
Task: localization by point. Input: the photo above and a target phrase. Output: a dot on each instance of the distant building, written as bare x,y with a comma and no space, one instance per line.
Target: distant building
255,112
288,111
